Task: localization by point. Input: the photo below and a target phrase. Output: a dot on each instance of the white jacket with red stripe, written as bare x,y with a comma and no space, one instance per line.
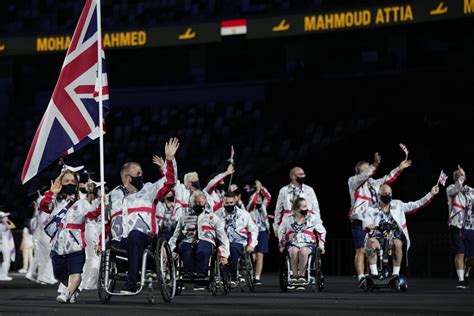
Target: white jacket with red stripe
139,208
459,203
207,227
115,209
398,209
287,195
306,235
216,195
363,191
70,237
239,226
260,216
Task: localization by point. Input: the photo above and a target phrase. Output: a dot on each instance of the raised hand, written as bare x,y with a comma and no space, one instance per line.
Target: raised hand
405,164
258,185
56,186
377,159
157,160
230,169
435,190
461,171
171,147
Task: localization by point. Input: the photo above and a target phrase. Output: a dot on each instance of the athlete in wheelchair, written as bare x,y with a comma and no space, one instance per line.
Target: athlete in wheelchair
387,234
302,241
139,258
203,247
243,237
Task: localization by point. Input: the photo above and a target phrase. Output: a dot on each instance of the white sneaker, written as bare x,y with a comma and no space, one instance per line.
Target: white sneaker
30,277
5,278
73,297
63,298
22,271
62,288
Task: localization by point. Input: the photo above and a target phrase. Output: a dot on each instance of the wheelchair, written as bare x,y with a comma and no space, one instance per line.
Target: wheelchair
217,279
157,271
314,275
384,264
246,272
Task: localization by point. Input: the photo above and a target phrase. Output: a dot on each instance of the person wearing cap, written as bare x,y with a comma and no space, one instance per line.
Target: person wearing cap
6,243
67,229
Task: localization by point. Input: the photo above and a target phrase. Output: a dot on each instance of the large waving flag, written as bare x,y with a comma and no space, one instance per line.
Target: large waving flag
72,117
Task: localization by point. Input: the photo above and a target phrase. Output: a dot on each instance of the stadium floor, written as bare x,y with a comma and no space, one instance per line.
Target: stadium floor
340,297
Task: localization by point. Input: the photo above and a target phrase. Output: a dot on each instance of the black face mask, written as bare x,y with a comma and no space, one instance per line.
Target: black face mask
69,189
300,180
221,186
83,190
386,199
229,208
198,209
170,198
196,184
303,212
137,182
259,205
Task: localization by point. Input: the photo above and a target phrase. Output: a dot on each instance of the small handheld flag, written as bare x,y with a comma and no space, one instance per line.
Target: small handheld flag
442,178
405,150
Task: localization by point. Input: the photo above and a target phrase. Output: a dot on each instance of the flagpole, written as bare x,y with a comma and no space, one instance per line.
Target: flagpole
101,121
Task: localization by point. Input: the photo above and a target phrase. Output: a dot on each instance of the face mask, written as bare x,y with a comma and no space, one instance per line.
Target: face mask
386,199
196,184
303,212
83,190
300,180
229,208
69,189
137,182
170,198
221,186
198,209
259,205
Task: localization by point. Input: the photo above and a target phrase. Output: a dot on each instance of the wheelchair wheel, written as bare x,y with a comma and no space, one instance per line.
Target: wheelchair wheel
165,270
249,273
318,273
284,270
106,264
225,277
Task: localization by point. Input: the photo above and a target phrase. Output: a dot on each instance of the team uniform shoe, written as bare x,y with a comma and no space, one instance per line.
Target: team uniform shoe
73,297
63,297
462,285
22,271
362,282
5,278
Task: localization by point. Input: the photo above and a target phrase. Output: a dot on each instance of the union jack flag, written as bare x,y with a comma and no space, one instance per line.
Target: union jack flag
442,178
71,119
